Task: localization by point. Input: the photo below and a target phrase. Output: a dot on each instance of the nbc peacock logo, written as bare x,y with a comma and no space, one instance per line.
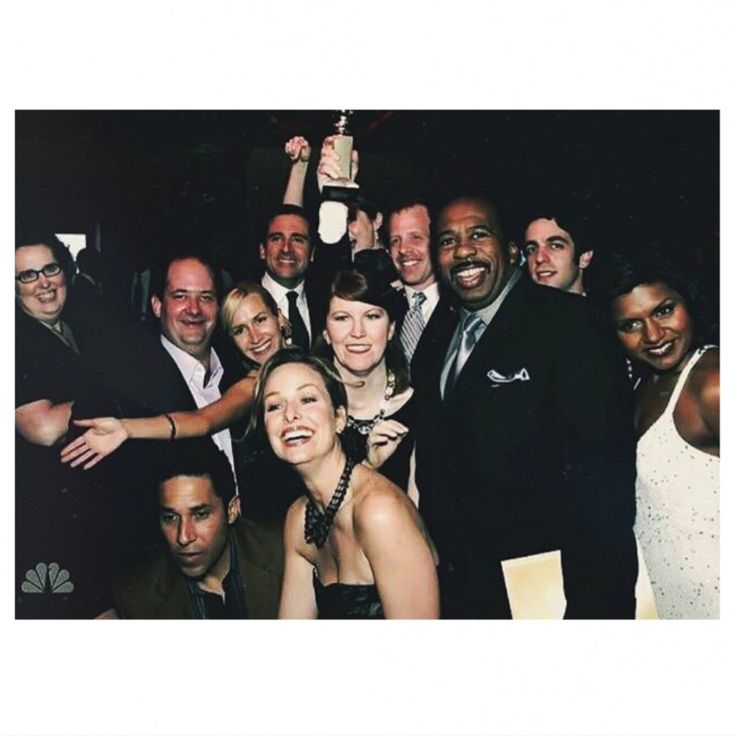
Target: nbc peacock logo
47,578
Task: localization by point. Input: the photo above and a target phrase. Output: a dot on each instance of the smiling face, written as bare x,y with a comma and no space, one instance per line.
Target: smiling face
409,246
300,420
44,298
286,250
358,333
654,326
255,329
472,257
195,524
188,309
551,259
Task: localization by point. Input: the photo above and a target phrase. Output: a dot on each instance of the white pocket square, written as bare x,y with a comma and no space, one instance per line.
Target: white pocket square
499,378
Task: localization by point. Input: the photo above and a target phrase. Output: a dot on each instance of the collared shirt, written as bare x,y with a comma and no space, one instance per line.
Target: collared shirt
209,605
64,333
432,292
203,393
278,292
486,314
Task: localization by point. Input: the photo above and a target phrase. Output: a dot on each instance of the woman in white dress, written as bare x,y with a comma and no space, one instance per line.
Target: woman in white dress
656,313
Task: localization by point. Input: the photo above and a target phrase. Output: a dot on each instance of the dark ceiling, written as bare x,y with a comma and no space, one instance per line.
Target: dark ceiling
147,174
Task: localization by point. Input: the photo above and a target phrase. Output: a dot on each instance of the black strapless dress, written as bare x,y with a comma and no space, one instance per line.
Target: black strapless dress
396,468
340,600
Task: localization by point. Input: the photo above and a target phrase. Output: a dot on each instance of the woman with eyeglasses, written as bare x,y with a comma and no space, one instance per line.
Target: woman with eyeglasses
63,543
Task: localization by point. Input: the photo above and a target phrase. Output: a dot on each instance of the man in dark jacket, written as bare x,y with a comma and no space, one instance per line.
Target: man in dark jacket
216,565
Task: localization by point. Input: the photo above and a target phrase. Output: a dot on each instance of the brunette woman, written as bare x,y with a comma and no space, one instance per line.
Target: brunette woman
658,315
355,545
360,340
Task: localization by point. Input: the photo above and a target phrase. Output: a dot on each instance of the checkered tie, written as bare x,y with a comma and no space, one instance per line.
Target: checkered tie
411,329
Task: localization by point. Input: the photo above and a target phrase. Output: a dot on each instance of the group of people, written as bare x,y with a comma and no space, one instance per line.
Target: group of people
383,422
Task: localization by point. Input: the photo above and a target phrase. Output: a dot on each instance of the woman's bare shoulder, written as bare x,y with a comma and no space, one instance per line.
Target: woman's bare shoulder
705,379
377,499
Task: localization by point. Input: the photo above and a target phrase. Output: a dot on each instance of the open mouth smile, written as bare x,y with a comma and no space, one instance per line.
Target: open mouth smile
470,275
295,436
46,296
660,351
261,347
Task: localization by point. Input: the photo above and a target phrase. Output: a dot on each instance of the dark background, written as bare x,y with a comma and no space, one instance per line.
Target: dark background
154,178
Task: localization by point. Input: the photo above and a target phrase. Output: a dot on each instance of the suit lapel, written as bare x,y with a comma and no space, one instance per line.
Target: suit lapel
175,601
492,341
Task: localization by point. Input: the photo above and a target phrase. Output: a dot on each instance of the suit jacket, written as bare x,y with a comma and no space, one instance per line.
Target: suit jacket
430,342
158,590
532,450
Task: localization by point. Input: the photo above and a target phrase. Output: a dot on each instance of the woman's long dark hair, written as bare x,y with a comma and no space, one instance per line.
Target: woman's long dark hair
621,274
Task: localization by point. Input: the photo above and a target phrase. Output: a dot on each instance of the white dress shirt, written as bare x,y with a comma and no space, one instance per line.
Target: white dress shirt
203,394
278,292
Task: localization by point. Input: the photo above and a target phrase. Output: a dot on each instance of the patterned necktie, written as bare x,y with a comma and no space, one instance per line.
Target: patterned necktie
411,329
470,335
299,334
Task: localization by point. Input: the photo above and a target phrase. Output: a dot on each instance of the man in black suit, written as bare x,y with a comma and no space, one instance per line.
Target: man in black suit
526,440
286,252
216,565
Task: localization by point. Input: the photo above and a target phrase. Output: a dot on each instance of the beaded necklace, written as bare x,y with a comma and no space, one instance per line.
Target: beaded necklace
317,526
364,426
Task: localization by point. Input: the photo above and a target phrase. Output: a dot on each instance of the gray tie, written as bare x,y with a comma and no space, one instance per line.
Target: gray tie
411,329
471,330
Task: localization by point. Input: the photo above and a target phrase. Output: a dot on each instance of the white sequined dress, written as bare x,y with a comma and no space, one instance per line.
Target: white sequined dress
677,516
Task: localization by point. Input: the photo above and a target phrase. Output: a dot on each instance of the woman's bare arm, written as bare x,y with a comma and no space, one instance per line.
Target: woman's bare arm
389,532
707,393
297,149
43,422
106,434
297,589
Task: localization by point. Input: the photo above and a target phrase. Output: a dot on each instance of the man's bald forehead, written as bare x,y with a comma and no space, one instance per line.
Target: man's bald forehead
488,207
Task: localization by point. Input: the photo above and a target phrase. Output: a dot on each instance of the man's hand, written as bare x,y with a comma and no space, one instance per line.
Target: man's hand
105,435
328,170
298,150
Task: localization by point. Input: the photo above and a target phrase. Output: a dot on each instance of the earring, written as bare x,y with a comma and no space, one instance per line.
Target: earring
630,369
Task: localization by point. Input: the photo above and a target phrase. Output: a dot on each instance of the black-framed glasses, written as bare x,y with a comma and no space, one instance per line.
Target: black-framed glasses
30,274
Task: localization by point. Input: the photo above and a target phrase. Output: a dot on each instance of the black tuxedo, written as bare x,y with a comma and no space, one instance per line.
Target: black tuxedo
544,461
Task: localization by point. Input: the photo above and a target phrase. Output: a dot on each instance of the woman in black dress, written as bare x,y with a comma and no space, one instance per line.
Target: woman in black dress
361,342
355,545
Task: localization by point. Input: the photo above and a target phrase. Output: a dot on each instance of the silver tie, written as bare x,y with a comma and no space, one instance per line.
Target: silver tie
411,329
471,332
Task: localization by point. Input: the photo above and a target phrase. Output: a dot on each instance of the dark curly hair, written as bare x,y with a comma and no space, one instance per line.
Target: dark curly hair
62,254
